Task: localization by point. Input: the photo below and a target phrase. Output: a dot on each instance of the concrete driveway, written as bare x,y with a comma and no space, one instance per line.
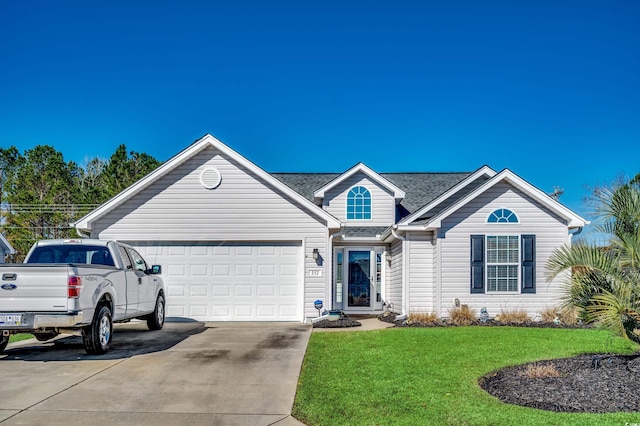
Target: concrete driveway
188,373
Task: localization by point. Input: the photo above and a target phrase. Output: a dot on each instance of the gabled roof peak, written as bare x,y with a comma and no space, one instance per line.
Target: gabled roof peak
398,193
85,223
505,175
5,245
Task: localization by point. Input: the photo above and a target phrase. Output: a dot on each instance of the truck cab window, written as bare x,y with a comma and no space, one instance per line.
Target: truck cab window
138,262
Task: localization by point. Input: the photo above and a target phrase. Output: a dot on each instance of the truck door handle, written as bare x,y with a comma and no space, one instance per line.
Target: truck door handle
9,277
140,280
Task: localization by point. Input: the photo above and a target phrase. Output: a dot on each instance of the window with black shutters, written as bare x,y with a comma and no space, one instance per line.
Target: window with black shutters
503,264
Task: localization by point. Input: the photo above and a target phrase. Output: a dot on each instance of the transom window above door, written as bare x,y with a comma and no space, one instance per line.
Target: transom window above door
358,203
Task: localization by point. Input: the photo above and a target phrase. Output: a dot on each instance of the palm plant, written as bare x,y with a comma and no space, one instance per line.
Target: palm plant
604,283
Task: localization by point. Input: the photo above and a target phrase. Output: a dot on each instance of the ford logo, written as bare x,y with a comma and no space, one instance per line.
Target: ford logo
9,286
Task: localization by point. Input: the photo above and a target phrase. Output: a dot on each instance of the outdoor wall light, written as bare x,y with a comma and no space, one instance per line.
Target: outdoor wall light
387,256
316,254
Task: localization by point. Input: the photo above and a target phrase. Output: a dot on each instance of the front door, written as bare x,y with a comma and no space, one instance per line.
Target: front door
359,279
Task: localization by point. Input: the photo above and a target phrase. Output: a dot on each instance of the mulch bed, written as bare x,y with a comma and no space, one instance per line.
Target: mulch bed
340,323
391,318
586,384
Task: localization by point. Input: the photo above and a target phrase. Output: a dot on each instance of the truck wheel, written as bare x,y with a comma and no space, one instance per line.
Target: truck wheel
97,336
4,341
155,321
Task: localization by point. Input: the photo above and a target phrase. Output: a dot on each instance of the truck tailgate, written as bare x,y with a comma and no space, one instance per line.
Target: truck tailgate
34,288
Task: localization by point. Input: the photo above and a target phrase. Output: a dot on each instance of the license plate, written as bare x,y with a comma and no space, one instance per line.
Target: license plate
10,319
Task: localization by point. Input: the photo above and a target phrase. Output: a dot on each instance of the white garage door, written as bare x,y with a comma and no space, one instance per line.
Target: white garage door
230,282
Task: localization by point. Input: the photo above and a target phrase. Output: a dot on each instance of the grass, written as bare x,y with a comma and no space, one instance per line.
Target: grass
514,316
411,376
565,316
540,371
462,315
20,336
424,317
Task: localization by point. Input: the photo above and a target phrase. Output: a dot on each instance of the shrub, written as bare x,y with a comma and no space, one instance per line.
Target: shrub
461,315
424,317
540,371
549,314
515,316
570,316
565,316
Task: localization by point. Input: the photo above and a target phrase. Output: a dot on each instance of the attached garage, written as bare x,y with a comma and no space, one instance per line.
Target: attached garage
234,242
222,281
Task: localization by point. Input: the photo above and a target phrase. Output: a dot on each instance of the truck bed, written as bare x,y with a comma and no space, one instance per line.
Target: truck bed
34,287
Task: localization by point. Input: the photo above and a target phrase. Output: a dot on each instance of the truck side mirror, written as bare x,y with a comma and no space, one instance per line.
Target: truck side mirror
156,269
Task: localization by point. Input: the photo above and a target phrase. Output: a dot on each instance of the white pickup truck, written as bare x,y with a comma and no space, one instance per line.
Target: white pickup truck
79,287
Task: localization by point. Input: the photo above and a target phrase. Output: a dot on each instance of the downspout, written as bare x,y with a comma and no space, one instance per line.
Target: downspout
82,234
405,296
573,234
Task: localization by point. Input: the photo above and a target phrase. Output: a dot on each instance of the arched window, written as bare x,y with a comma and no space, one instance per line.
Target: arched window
359,203
503,216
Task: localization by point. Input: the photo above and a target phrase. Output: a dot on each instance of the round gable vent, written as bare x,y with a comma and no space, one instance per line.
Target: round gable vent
210,178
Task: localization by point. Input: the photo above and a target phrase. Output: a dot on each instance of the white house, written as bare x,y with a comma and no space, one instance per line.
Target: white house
5,248
240,244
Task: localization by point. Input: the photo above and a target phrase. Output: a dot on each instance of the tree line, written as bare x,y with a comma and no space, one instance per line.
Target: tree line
41,194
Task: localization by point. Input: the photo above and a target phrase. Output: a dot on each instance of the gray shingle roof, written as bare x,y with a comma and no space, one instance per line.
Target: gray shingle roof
305,184
420,188
461,193
364,231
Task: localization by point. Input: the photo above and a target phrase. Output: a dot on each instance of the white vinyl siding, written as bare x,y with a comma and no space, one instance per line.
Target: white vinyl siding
177,207
421,273
382,202
454,243
394,286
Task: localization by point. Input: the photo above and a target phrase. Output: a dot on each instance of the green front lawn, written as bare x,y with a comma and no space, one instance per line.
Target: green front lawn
429,376
20,336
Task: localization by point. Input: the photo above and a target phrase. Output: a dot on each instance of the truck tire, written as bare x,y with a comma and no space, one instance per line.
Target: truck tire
155,321
97,336
4,341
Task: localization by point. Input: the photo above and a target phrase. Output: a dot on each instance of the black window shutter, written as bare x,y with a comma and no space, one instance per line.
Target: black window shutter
477,264
529,264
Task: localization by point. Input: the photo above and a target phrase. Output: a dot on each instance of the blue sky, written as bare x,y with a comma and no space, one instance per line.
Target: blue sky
549,89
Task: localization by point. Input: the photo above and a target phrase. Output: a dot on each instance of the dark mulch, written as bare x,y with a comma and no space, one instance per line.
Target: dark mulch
493,323
391,318
587,384
342,322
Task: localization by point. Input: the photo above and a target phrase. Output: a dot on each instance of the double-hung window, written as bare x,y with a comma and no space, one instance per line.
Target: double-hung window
503,260
503,263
